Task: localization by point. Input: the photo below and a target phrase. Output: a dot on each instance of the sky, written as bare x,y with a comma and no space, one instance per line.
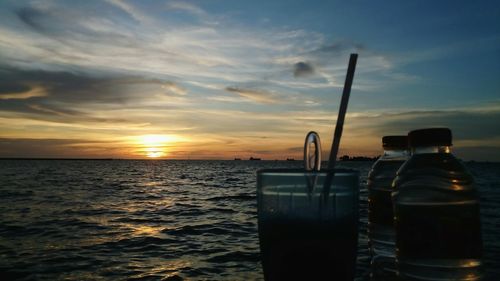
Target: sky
218,79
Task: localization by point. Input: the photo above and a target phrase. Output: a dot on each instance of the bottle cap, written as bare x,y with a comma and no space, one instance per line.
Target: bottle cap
395,142
430,137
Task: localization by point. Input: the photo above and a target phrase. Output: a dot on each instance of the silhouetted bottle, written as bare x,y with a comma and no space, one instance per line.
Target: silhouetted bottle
436,207
380,215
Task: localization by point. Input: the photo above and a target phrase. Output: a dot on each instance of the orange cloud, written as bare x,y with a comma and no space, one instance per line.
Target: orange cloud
36,91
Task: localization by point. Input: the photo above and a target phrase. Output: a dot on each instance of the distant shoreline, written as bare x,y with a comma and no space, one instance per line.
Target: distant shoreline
181,159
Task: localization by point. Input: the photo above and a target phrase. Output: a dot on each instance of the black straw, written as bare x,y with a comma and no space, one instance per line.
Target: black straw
342,111
340,125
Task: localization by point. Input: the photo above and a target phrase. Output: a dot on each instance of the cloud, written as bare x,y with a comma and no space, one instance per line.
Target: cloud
130,10
58,112
185,6
465,124
188,50
302,69
173,88
449,49
77,69
327,60
324,53
226,99
471,127
76,37
340,47
63,25
50,148
257,96
31,17
33,92
72,97
66,86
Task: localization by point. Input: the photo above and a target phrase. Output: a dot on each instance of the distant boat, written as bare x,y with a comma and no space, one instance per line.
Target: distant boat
237,158
254,159
290,159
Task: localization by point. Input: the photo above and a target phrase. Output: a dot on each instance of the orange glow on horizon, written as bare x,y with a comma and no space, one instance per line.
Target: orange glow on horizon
154,145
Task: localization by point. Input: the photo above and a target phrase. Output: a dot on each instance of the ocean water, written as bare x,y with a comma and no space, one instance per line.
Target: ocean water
160,220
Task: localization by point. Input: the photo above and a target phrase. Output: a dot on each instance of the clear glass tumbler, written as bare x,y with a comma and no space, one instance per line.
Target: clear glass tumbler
308,223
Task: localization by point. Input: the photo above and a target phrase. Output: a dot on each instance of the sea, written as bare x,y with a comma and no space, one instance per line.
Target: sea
161,219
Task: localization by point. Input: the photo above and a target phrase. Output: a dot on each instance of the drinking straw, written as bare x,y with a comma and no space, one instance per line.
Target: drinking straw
340,123
343,108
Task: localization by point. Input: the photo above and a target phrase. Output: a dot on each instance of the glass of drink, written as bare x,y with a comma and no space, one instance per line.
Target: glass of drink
308,223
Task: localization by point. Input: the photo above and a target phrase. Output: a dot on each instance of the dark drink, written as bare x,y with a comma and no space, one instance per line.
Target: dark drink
381,232
380,215
380,212
439,231
304,250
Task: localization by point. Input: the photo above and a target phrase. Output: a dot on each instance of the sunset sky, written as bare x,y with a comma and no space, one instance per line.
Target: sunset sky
220,79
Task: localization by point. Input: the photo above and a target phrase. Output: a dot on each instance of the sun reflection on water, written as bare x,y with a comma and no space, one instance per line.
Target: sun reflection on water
144,230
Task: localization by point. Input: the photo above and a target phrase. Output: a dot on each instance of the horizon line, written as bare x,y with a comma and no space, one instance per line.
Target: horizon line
194,159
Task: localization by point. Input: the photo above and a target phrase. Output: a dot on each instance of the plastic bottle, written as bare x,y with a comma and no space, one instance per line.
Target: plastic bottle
436,208
380,215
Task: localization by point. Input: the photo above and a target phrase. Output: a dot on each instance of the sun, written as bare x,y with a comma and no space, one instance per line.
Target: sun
154,146
154,152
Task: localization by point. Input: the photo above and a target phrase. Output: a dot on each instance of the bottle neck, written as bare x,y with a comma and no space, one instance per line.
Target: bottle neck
430,149
390,153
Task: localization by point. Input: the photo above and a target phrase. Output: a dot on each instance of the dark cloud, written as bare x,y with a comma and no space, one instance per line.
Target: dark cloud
25,147
54,23
67,27
64,86
302,69
466,125
54,95
475,132
12,87
32,18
